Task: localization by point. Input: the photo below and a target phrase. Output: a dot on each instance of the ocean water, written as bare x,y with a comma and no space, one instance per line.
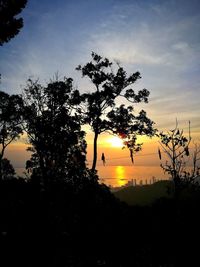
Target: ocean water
120,175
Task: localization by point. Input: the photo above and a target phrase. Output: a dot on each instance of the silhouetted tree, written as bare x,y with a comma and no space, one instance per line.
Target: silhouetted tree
7,170
100,108
54,130
196,159
10,121
176,146
10,24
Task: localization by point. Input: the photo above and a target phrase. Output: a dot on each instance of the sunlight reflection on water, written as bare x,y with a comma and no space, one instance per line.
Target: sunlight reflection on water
120,175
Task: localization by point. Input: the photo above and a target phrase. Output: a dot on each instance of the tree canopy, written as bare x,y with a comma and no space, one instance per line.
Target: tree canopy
100,109
54,129
10,23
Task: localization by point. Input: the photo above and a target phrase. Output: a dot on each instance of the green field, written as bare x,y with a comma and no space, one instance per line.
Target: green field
146,194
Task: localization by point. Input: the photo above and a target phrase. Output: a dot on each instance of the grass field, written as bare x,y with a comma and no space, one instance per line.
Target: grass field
146,194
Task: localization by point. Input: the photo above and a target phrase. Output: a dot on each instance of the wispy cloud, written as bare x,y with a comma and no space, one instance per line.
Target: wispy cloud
163,41
148,41
159,38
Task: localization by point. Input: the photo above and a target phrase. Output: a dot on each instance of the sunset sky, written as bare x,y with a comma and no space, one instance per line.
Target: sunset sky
161,39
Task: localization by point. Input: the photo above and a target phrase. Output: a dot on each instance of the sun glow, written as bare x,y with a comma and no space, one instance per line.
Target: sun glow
115,141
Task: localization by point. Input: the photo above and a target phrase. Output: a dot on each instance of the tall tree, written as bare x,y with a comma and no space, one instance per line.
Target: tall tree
10,121
101,112
10,24
54,129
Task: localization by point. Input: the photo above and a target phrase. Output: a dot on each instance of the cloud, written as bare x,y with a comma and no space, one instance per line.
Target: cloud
161,40
134,35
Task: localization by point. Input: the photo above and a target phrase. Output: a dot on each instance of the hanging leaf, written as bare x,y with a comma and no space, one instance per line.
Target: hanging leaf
131,155
103,159
159,153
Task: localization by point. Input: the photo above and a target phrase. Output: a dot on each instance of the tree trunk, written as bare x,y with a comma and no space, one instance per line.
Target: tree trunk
1,157
177,187
43,179
0,168
95,152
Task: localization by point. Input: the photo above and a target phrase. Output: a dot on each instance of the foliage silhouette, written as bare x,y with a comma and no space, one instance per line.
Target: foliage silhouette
176,146
7,170
10,121
10,24
100,109
54,131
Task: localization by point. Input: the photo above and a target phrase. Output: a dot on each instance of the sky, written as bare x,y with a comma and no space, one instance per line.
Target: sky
161,39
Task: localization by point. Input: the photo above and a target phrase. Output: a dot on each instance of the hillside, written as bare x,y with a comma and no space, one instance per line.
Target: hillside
146,194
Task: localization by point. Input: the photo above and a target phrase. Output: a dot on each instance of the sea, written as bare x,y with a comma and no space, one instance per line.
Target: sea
118,176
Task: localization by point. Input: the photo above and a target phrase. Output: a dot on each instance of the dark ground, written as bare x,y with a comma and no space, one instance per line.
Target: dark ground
61,226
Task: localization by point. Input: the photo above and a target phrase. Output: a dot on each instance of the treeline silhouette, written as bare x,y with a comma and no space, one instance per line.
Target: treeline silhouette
65,226
61,215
